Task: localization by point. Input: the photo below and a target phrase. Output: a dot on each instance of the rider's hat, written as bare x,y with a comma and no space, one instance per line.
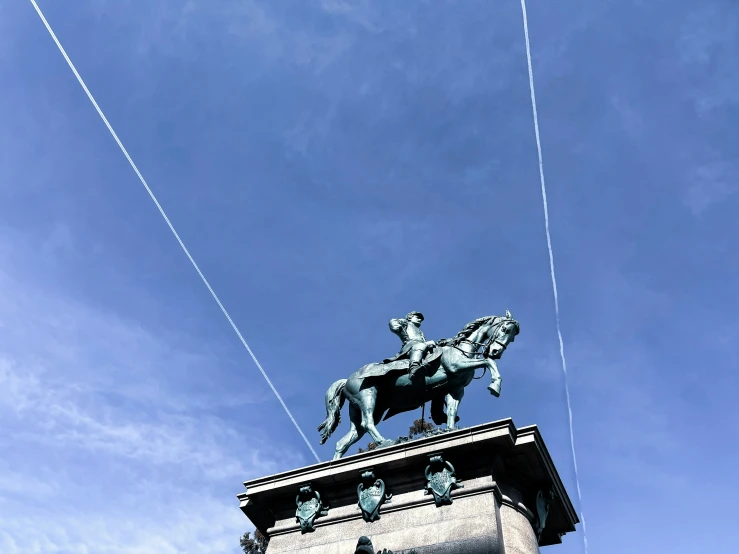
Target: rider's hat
411,314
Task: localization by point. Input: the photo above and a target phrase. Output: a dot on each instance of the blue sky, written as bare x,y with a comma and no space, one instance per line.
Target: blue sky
334,164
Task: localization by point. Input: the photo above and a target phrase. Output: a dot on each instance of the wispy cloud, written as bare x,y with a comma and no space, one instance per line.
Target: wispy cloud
171,27
90,420
361,12
43,409
180,522
709,184
708,40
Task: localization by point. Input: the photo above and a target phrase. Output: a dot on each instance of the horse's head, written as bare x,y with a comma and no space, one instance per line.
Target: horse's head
501,333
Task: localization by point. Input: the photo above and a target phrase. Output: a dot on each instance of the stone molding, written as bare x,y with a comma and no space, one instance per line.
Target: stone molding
511,465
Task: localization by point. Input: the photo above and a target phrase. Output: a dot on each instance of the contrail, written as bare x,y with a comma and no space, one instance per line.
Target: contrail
551,265
169,224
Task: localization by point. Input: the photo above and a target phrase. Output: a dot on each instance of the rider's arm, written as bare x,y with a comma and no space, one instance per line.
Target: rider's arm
397,325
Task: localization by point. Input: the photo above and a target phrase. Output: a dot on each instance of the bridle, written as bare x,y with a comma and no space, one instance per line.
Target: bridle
487,344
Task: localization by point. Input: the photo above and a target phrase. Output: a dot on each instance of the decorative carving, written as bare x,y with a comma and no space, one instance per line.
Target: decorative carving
441,480
310,507
543,502
372,495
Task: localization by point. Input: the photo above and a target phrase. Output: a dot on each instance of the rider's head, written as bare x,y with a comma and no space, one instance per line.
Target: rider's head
415,317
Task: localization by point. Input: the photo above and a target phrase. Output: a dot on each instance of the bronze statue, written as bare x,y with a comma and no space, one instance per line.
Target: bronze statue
386,389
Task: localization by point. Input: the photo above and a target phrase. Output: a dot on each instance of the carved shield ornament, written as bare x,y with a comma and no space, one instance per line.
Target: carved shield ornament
441,480
309,508
543,503
372,495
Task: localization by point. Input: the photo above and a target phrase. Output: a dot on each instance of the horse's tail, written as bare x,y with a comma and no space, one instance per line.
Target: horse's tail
334,403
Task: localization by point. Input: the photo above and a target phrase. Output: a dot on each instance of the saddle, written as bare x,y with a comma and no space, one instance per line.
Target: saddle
404,362
380,369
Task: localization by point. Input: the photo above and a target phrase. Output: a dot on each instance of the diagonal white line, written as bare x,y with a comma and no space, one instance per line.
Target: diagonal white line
169,224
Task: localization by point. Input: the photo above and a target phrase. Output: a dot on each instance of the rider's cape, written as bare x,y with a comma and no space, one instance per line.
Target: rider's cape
396,363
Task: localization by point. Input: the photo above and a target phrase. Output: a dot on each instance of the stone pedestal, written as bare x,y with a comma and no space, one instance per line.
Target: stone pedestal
508,498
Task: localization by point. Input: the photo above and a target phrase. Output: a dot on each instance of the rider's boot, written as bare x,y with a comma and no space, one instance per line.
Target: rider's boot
416,357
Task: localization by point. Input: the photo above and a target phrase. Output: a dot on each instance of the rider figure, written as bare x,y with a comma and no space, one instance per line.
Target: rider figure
415,344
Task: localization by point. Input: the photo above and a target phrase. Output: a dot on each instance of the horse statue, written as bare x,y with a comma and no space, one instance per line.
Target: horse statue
386,389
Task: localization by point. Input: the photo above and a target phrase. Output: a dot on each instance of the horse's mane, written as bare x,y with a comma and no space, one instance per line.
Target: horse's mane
466,331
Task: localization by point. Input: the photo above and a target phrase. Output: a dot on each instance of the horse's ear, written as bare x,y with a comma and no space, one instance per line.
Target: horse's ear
508,314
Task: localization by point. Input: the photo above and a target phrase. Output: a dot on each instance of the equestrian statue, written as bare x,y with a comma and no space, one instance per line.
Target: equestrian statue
422,371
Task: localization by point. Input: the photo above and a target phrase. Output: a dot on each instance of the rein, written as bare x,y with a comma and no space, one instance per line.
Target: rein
471,355
484,345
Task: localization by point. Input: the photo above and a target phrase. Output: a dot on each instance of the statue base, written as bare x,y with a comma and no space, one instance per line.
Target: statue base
487,489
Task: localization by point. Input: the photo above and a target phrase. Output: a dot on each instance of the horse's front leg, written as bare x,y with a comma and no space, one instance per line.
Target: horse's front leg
452,405
456,362
495,378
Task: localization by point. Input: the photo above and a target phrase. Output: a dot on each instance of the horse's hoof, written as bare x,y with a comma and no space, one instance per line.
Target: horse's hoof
386,442
494,389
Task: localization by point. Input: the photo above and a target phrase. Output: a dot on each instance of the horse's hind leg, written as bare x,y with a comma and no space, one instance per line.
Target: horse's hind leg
355,432
368,402
452,405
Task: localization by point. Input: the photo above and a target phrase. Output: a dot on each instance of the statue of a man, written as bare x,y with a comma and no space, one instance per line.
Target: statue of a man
415,344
